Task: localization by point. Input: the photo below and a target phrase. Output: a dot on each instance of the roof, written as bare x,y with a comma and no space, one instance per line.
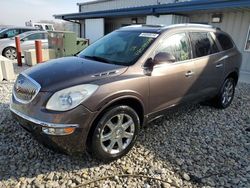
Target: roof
162,28
180,7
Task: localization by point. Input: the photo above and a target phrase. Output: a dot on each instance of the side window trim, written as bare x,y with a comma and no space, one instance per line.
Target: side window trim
190,45
216,41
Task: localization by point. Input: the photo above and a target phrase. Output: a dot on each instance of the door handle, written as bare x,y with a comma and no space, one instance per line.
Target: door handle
219,65
189,73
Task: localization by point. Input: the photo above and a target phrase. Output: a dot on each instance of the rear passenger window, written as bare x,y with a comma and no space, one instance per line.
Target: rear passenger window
203,44
176,45
225,42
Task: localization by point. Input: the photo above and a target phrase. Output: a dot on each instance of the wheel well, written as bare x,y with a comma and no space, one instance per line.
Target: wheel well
131,102
234,75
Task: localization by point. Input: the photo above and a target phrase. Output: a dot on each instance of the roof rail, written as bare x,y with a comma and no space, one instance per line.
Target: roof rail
190,25
143,25
156,25
135,25
173,26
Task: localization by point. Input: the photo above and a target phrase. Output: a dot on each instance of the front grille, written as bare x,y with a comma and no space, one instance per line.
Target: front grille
25,89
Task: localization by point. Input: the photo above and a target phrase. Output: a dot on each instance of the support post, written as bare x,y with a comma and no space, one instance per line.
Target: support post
39,53
18,51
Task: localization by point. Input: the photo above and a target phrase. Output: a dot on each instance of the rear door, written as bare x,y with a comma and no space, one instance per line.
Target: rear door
209,63
172,83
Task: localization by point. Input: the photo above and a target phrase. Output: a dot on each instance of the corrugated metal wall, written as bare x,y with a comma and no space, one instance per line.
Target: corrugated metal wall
236,23
112,24
177,19
166,19
118,4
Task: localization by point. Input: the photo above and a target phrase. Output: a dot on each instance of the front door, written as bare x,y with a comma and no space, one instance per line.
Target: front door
172,83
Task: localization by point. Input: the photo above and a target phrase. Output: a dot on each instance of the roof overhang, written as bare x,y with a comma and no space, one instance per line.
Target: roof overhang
181,7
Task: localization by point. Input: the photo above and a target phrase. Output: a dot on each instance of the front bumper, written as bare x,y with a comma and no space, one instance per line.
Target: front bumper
42,123
34,119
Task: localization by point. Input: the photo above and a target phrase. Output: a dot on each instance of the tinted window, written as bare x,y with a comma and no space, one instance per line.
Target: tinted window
224,41
176,45
203,44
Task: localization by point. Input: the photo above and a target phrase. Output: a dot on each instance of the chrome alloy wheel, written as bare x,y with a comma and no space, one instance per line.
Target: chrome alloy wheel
117,133
10,53
228,92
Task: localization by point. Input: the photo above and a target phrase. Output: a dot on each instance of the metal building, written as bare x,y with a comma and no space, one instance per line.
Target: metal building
99,17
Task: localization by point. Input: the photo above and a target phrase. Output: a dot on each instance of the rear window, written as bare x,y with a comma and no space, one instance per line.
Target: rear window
203,44
225,42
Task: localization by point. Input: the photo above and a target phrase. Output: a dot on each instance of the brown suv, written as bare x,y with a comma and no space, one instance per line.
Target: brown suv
99,100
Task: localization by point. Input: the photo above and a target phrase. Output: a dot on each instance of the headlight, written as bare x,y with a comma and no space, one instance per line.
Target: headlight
70,98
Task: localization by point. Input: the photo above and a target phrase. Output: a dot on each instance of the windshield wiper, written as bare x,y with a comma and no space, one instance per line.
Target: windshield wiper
98,59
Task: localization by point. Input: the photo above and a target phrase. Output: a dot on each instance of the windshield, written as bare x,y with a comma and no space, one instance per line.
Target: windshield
1,29
119,47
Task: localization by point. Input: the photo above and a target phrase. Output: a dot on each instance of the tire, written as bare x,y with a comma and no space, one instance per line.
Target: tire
10,53
226,94
115,133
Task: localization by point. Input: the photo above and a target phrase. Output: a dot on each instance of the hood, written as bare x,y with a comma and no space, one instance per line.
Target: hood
70,71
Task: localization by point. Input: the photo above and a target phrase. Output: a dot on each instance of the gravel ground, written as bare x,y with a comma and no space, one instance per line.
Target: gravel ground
197,146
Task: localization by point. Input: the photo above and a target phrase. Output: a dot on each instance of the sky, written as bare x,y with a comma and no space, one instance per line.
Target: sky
17,12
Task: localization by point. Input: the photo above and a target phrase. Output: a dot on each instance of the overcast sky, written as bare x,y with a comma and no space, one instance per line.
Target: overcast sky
17,12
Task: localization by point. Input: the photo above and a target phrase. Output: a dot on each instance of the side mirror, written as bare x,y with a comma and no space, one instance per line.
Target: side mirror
164,57
148,66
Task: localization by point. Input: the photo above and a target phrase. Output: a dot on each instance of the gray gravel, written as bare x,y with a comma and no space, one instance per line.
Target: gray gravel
196,146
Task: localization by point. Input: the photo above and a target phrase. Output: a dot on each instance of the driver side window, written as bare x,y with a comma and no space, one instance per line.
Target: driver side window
176,45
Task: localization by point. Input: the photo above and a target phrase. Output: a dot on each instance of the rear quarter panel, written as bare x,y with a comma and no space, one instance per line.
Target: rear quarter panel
233,61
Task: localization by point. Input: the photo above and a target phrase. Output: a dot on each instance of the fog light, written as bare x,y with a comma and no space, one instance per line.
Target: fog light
58,131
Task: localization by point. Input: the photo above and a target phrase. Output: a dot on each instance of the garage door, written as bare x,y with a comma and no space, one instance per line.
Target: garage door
94,29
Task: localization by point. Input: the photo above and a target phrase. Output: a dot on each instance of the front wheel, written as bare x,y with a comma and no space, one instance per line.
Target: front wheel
115,133
226,95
